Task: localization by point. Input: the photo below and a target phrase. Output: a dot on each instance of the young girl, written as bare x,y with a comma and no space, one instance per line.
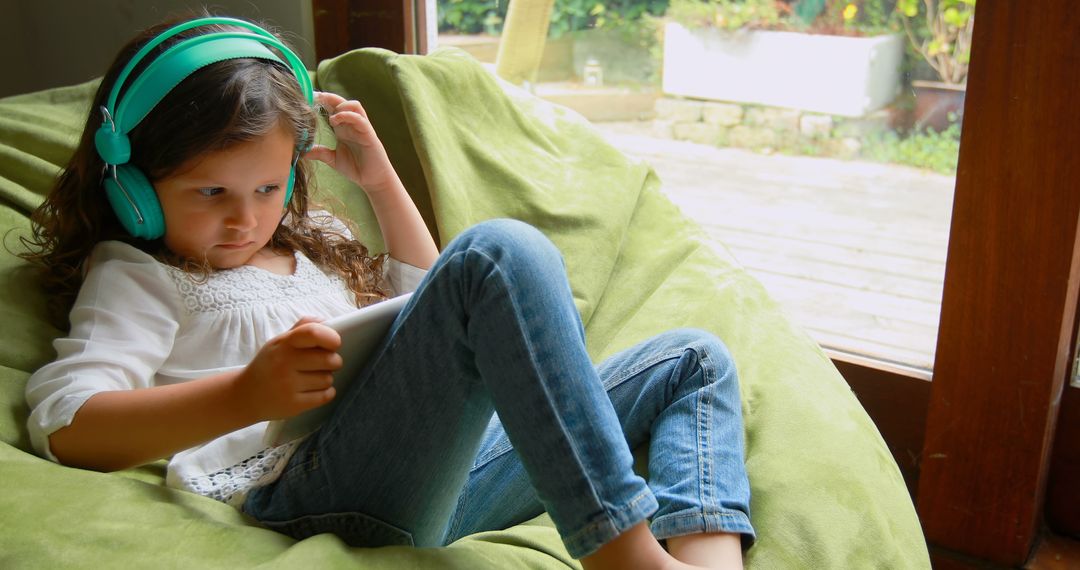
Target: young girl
196,280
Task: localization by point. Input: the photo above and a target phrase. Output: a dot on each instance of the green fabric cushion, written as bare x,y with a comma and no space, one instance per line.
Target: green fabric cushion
827,493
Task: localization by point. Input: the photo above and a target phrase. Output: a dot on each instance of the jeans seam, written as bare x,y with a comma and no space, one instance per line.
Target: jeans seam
608,520
724,514
457,516
646,363
492,454
742,526
705,419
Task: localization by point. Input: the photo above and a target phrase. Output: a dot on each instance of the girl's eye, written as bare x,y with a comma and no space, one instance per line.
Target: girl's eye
268,189
210,191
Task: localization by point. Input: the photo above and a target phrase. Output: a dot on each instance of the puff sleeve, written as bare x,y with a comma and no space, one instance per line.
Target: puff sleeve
123,324
401,277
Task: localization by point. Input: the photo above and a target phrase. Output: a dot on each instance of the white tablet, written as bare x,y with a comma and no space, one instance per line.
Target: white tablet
361,332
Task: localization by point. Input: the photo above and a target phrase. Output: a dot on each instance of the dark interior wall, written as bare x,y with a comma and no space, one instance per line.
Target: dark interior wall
49,43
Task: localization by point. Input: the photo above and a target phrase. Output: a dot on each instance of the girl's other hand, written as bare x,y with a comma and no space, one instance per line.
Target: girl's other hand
291,373
360,155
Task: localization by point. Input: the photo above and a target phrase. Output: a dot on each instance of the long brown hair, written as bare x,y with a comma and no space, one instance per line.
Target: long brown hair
220,105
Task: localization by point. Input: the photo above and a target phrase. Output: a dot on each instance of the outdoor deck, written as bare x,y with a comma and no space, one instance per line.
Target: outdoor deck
855,251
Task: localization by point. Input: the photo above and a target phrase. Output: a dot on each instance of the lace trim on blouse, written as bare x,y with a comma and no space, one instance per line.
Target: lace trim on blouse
232,484
235,289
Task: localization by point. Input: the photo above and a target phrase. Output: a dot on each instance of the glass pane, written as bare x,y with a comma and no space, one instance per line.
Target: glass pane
816,139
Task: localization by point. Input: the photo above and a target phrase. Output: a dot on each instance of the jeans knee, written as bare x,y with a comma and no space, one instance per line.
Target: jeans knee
504,239
710,352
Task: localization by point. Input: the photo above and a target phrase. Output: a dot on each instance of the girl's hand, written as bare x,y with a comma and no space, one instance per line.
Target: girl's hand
291,373
359,155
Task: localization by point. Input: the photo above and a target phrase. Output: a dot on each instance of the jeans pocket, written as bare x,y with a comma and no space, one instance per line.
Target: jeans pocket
356,529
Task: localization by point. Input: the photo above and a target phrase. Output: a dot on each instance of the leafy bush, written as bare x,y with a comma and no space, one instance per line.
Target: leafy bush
472,16
630,16
936,151
488,16
833,17
941,32
851,17
726,14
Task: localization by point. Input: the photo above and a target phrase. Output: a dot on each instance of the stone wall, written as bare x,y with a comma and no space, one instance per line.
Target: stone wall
765,129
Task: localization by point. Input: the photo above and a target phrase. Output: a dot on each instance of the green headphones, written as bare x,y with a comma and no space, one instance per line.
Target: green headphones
129,192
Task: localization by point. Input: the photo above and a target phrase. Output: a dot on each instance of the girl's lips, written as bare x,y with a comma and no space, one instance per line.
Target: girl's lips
235,245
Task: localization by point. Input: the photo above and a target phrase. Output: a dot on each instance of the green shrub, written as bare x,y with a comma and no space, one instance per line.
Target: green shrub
833,17
472,16
726,14
488,16
929,149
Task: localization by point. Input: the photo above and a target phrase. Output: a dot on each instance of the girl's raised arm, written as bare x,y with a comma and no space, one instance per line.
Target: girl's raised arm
361,157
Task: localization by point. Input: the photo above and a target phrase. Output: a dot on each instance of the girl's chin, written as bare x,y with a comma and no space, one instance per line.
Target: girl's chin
223,257
228,259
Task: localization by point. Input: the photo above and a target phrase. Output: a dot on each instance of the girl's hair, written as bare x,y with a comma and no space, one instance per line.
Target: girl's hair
218,106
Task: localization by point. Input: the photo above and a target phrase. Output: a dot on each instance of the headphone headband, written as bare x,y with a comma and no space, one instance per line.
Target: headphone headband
186,57
294,62
178,62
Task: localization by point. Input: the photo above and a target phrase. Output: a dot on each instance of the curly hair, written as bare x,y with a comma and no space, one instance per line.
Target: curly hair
220,105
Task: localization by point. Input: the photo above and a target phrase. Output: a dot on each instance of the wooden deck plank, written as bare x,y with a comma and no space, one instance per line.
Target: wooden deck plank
858,324
825,237
853,251
918,236
826,301
900,208
843,266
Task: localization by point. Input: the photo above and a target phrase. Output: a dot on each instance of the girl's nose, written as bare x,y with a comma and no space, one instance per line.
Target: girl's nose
240,216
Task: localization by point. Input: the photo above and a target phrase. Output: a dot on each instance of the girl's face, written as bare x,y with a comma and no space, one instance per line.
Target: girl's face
224,206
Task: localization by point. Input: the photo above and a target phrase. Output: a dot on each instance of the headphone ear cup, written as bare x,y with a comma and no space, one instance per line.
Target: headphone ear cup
131,183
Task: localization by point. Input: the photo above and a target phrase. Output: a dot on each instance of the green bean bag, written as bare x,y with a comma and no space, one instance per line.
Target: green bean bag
826,491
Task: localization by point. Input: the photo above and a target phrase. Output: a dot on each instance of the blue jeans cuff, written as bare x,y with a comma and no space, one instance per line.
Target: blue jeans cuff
681,524
610,525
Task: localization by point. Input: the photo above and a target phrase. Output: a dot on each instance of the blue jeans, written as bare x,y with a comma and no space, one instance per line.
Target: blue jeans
413,452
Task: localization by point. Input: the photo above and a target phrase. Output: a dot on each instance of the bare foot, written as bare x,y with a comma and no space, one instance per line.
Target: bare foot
636,548
714,550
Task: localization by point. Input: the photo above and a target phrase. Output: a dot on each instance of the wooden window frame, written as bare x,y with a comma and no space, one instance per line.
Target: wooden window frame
976,445
989,462
343,25
1011,281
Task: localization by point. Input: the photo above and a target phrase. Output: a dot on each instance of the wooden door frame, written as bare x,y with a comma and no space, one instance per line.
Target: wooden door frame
1011,281
343,25
979,464
1001,442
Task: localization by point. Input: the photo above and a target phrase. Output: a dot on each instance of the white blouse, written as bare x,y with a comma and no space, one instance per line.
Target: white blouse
139,323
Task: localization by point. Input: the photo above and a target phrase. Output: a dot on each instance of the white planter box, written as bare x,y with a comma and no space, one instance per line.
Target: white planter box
836,75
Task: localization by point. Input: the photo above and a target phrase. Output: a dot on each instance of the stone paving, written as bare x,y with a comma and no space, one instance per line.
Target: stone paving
854,251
